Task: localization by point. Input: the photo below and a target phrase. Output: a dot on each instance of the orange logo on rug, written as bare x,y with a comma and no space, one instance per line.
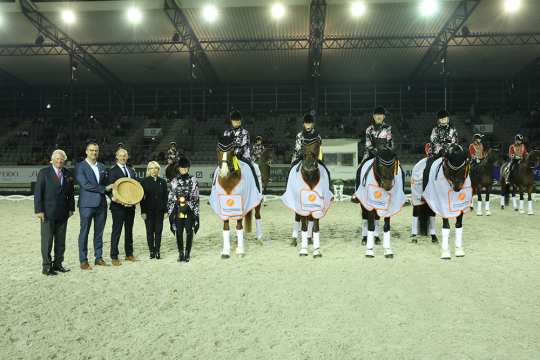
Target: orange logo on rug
377,194
230,202
312,197
461,196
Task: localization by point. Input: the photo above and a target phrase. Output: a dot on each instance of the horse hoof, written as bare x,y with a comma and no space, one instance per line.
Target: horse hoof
460,252
414,241
434,239
530,213
389,256
364,240
502,207
370,253
316,256
445,255
302,255
377,240
478,214
225,256
294,242
488,213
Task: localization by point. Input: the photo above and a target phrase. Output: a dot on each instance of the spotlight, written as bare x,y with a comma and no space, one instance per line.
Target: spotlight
428,7
278,11
358,9
48,106
134,15
210,13
39,40
68,16
512,6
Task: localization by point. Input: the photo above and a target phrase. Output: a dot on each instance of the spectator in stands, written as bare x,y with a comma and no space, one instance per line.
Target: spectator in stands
258,148
54,204
172,153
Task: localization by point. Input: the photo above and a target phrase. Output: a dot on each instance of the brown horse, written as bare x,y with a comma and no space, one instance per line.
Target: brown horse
482,179
311,175
522,180
229,176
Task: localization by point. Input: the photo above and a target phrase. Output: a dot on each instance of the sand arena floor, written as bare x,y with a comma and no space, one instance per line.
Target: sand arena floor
273,304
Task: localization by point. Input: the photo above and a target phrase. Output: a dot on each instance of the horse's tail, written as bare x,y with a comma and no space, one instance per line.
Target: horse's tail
248,219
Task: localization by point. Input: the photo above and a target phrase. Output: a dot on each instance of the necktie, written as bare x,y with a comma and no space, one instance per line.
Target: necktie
124,170
59,175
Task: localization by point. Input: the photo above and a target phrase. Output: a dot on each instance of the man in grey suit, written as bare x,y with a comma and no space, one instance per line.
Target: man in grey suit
54,203
92,179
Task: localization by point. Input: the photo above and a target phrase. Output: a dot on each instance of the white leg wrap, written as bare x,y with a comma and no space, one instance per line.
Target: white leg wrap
258,229
316,240
521,204
226,242
370,240
479,207
310,229
240,241
304,244
432,227
364,228
514,202
386,240
445,236
486,205
414,226
296,229
530,206
502,200
459,237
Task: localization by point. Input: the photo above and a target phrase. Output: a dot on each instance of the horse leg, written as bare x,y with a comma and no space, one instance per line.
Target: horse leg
296,229
371,234
514,200
226,252
459,237
445,253
240,238
258,224
486,205
432,227
529,200
479,202
414,225
388,253
304,244
316,239
310,230
521,201
376,231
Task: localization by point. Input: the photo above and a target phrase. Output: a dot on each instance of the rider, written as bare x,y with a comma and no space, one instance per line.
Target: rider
378,135
477,151
516,152
308,130
442,137
242,147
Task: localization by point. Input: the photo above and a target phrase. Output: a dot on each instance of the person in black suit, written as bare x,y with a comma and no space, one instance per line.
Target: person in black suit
123,215
154,207
54,203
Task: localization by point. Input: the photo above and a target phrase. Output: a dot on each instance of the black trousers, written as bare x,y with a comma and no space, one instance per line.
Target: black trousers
53,232
122,217
181,225
154,228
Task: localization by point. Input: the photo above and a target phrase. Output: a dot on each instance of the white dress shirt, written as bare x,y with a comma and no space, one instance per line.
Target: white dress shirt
95,169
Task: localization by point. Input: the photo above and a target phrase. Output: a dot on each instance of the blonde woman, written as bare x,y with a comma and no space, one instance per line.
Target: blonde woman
154,207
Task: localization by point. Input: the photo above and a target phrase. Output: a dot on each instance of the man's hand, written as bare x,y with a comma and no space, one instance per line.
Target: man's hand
41,216
143,216
109,187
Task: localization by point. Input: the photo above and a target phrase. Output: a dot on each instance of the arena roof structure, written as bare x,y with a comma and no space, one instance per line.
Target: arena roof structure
314,40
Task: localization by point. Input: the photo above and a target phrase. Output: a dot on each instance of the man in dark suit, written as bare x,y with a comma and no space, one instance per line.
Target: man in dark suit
123,215
92,179
54,203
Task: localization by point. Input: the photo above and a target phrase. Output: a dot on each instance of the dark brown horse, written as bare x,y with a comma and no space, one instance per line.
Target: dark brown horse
385,168
482,179
229,177
522,180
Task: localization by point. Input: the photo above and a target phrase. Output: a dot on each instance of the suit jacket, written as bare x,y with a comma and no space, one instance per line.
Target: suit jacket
52,197
116,173
155,195
91,192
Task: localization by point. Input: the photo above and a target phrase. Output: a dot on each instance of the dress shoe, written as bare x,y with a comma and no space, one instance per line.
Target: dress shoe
60,268
130,258
186,257
101,262
158,255
48,272
152,255
85,266
116,262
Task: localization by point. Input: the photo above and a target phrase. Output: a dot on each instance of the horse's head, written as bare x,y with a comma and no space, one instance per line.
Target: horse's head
456,167
494,155
226,160
533,158
385,168
311,145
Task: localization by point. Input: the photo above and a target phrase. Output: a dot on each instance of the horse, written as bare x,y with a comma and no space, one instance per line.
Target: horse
522,181
264,165
308,193
235,196
482,179
380,193
448,193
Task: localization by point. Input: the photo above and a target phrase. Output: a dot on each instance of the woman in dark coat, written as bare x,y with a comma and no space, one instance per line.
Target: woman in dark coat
154,207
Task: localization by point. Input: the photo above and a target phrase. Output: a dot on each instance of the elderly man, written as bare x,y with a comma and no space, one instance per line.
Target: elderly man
123,215
54,203
92,179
